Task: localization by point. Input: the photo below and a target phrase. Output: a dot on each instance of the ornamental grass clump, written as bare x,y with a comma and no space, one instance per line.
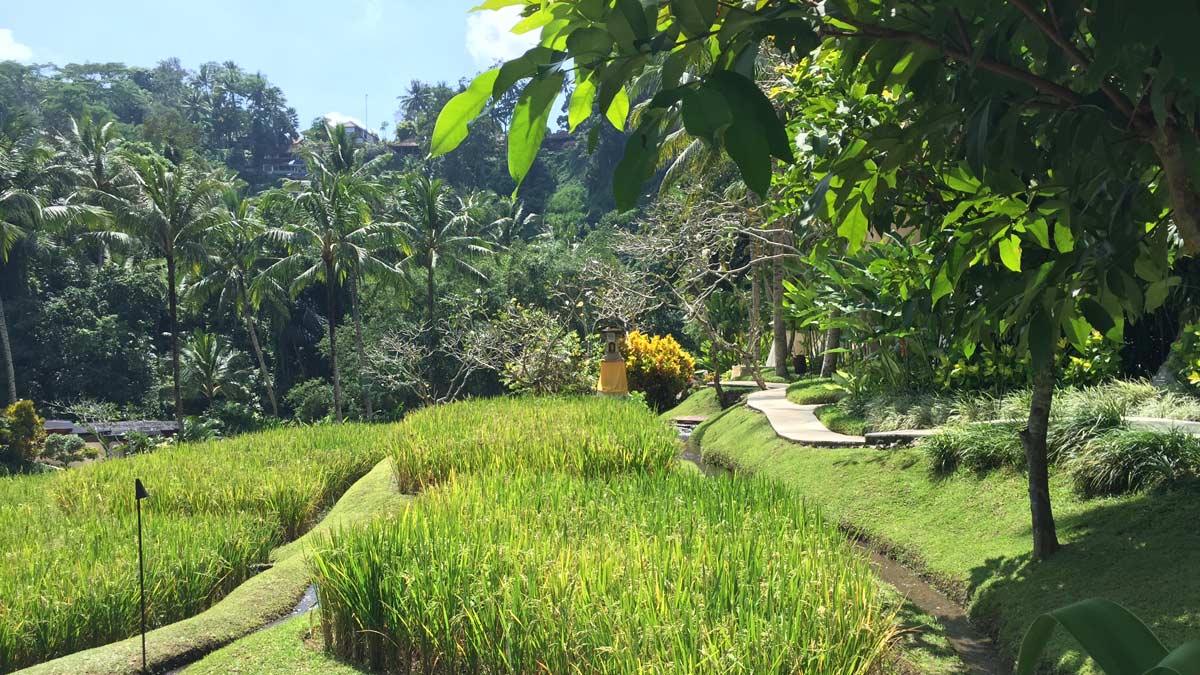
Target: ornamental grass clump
69,576
551,573
1130,460
588,437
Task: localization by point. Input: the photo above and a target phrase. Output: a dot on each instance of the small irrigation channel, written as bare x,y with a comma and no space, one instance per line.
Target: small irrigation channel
976,651
307,603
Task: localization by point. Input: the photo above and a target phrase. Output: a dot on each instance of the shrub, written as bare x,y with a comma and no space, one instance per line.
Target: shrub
1185,355
1129,460
236,417
979,447
659,367
311,400
66,448
544,357
1097,361
23,433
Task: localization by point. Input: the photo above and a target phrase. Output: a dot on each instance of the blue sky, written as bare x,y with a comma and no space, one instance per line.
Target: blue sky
324,55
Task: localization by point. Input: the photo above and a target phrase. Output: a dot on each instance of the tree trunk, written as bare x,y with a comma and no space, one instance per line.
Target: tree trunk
754,353
714,355
833,339
1033,438
779,339
1181,188
9,374
262,362
331,309
173,301
362,352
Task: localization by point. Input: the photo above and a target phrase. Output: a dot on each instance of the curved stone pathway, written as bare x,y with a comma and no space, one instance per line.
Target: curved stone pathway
798,423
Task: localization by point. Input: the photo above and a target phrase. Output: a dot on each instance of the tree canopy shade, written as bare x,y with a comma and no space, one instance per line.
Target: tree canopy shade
1034,141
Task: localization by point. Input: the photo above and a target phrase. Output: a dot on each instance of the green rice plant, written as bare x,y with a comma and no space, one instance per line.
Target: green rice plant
1130,460
551,573
216,510
592,436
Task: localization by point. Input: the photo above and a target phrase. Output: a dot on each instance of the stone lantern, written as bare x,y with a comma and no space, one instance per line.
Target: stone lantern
613,381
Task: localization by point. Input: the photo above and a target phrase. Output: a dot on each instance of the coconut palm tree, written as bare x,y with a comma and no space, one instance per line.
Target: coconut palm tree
233,257
332,238
25,169
440,231
515,223
170,207
211,367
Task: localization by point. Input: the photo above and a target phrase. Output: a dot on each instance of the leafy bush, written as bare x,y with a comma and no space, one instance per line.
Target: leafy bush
1185,355
311,400
22,435
67,448
544,356
1097,361
236,417
1129,460
659,367
979,447
137,443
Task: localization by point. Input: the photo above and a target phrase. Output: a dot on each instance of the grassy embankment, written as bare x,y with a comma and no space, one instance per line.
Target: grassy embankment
217,512
561,537
815,391
970,533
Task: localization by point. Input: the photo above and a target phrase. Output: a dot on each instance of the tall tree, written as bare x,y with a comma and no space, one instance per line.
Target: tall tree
170,208
233,257
440,231
332,237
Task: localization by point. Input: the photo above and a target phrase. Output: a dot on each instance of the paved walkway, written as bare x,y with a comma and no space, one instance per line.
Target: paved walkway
797,423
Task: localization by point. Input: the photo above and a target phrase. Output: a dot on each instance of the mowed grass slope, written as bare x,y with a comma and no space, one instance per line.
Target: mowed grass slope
550,534
216,512
972,534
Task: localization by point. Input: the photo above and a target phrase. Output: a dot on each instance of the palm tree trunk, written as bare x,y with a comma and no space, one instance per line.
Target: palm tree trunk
754,353
9,374
430,289
331,309
173,300
362,352
262,362
1033,437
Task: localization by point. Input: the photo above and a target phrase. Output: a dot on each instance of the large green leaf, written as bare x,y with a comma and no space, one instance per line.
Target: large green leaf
705,112
1117,641
528,127
752,107
582,99
1010,252
618,111
854,226
640,159
589,44
695,17
451,127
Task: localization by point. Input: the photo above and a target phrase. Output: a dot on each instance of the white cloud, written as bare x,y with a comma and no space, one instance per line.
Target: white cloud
337,118
490,38
11,50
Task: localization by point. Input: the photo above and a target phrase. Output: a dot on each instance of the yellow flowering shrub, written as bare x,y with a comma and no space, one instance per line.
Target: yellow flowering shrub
658,367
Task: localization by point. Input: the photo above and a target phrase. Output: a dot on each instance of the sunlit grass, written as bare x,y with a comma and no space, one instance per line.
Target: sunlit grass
549,538
545,573
68,571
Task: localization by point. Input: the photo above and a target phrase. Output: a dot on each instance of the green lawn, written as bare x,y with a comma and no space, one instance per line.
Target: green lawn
702,403
291,648
972,534
815,391
839,420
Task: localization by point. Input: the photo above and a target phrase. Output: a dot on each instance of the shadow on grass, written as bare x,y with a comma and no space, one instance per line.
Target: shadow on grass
1140,552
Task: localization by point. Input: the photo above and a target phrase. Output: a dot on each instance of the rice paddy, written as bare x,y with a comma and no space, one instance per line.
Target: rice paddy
68,571
550,538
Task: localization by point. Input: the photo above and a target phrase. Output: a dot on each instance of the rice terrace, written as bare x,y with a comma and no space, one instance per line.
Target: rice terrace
600,337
